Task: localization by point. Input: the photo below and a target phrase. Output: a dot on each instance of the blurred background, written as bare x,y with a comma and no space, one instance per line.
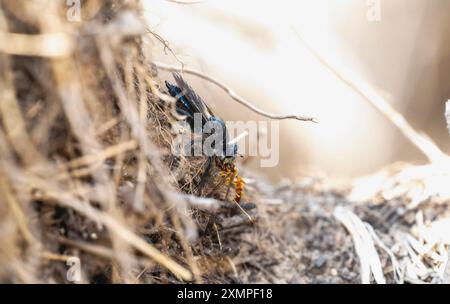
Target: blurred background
253,47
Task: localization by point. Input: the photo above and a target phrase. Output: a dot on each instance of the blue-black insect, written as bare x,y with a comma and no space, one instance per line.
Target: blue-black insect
188,103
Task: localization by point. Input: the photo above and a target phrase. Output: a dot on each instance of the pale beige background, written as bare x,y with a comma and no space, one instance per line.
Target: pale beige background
251,46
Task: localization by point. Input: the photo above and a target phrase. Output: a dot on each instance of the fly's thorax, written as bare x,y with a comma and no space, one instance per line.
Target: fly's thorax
210,130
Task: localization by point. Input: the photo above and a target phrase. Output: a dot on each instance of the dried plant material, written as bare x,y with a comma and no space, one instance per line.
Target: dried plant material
45,45
417,183
202,203
90,162
435,233
364,246
396,269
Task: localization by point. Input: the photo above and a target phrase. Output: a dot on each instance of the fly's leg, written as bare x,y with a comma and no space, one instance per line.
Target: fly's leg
205,176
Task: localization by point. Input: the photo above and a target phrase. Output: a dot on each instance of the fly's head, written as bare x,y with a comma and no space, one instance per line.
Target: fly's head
228,152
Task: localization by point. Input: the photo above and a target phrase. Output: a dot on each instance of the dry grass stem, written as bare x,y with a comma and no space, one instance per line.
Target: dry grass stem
231,93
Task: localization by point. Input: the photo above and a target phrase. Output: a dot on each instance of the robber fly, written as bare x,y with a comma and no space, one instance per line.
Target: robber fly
189,103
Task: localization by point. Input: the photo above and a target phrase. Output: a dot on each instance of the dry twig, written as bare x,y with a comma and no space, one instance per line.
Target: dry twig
231,93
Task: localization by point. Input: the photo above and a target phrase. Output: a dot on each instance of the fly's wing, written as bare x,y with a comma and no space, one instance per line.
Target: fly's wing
196,103
183,106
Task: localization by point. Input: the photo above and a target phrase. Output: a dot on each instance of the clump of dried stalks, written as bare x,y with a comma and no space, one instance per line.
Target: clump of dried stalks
86,170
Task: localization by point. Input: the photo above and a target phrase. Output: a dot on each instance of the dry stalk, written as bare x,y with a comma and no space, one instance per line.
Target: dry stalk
230,92
364,246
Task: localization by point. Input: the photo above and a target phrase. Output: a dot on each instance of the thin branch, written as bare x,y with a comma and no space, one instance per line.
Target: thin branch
364,245
202,203
231,93
10,112
15,209
106,153
43,45
167,47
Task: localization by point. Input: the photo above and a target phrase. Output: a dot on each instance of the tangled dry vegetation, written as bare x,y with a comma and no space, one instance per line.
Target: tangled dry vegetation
87,174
